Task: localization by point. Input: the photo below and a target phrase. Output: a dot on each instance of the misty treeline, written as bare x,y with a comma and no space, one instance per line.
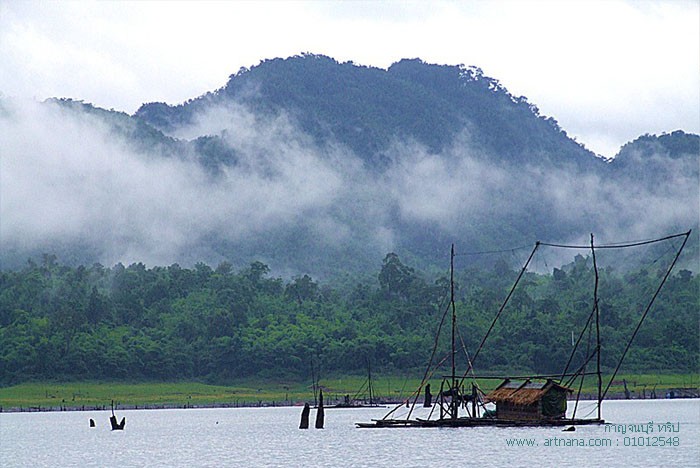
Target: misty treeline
219,324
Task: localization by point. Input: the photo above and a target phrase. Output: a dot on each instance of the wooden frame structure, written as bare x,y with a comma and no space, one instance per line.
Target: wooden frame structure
528,403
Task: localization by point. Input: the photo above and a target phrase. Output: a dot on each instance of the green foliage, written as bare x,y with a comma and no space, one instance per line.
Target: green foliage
173,323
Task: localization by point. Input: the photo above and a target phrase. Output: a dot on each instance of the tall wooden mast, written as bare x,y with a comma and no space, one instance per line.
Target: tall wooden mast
597,329
455,401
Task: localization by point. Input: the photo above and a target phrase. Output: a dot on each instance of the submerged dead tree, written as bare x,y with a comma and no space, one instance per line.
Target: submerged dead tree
304,424
116,426
428,400
319,411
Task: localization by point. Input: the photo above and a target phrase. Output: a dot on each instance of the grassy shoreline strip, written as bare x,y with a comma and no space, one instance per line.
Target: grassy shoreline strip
252,392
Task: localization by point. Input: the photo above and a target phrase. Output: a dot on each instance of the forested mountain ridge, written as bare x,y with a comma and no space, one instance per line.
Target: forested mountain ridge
658,159
319,167
368,108
675,145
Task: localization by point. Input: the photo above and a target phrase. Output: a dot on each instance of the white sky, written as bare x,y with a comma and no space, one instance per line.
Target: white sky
608,71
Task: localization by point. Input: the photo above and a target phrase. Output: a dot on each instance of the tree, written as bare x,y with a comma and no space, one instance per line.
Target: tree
395,278
302,289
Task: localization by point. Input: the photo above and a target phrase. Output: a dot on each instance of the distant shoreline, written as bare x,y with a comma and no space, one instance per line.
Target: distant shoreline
254,393
70,408
687,393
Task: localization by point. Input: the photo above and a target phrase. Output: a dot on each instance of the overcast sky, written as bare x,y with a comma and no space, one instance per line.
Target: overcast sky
608,71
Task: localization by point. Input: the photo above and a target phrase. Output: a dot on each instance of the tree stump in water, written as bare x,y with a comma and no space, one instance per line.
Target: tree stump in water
428,401
117,426
304,424
319,411
627,392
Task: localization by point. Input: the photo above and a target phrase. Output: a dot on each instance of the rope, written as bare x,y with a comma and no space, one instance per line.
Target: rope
616,245
486,252
646,311
578,341
583,375
416,393
503,306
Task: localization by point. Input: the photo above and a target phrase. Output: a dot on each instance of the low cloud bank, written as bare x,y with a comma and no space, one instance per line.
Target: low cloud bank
67,177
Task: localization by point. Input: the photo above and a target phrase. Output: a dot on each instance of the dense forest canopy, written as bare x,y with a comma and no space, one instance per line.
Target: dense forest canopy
218,324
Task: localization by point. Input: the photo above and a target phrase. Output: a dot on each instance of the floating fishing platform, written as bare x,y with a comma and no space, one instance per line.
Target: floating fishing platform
475,422
525,401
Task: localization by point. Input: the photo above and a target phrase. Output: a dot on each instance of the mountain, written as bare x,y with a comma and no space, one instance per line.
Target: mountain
367,109
659,158
314,166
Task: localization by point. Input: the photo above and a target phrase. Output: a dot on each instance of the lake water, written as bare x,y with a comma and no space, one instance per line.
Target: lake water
270,437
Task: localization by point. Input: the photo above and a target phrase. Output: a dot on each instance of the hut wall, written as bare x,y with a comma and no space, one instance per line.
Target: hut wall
553,404
507,410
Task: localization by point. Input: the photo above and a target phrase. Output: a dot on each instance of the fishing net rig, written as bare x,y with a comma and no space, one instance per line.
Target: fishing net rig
589,332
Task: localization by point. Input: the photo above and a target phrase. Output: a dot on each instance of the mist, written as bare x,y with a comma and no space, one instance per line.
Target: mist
67,178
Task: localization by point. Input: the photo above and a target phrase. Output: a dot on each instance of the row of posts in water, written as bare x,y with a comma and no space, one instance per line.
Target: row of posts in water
236,404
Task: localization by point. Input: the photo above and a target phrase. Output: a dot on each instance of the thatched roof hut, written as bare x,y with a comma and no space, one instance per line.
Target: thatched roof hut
529,400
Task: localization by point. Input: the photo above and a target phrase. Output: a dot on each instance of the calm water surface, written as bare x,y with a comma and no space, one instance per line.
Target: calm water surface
269,437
